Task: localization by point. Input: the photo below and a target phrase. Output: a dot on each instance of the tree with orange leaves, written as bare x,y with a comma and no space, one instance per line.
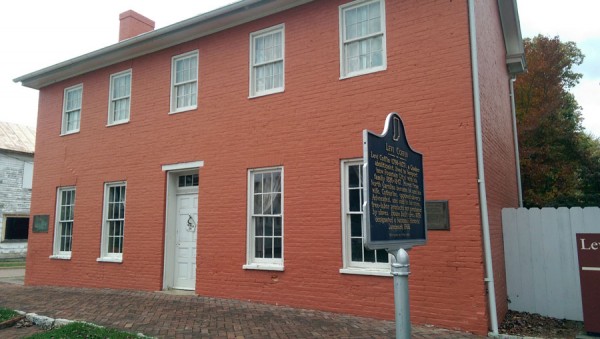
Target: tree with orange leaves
560,163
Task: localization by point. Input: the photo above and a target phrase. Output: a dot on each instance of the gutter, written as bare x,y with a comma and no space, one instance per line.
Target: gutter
485,224
516,137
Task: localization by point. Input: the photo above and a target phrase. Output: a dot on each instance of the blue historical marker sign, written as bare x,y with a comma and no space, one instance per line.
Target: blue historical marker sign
394,192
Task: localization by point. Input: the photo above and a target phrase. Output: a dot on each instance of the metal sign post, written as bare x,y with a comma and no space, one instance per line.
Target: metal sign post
400,271
394,206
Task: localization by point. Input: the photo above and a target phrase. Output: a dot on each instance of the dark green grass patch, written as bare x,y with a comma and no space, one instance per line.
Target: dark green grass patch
6,314
82,330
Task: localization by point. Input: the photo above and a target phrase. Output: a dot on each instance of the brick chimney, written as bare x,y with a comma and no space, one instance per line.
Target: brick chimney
133,24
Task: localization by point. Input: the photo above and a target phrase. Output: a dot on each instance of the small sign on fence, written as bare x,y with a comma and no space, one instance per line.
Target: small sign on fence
588,252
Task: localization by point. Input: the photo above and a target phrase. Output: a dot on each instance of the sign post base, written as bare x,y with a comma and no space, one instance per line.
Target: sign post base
400,271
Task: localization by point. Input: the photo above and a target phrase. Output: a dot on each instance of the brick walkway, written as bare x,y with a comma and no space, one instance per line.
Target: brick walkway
188,316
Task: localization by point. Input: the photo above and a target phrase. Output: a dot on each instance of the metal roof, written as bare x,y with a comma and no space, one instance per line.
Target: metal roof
17,138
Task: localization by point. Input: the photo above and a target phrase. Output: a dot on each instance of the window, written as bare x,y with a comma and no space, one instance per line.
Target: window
266,61
16,228
357,259
265,219
27,175
184,82
189,180
63,231
113,222
120,98
362,38
72,110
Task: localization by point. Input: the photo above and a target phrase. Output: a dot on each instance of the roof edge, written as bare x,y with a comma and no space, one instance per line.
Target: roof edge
513,40
220,19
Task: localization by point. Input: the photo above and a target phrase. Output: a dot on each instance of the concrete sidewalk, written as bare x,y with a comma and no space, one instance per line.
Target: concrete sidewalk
189,316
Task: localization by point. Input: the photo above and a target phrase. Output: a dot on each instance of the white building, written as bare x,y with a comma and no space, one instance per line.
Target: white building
17,144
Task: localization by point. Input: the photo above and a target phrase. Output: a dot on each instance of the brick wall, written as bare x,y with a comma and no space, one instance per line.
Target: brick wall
498,145
308,129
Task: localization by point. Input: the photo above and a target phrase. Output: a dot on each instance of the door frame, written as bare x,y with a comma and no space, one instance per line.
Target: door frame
172,172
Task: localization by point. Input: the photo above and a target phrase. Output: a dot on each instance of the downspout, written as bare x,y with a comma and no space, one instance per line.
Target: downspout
516,138
485,224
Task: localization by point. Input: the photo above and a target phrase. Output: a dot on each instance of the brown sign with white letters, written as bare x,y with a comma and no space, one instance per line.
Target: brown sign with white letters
588,251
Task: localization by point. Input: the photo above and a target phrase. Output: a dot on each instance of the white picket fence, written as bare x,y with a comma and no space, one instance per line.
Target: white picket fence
540,251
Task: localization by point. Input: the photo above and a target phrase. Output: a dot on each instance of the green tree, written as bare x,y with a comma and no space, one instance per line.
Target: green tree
560,163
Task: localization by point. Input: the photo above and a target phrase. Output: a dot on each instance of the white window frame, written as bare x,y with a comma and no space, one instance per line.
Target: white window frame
104,254
343,67
58,235
174,60
112,100
271,264
350,266
254,92
63,128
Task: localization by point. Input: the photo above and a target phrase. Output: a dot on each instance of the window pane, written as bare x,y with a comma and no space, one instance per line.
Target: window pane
258,183
277,226
258,204
354,197
356,225
354,174
268,242
277,203
357,248
267,183
382,256
258,226
258,248
277,248
369,255
268,227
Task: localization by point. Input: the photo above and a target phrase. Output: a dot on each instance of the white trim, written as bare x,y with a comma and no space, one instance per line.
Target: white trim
63,122
251,261
349,266
264,267
104,255
252,77
172,191
364,271
174,59
584,268
183,166
60,257
111,99
343,73
110,259
56,252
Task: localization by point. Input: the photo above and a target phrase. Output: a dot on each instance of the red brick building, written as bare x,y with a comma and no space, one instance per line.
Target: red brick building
221,154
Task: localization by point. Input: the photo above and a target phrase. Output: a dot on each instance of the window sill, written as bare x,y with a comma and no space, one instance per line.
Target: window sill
185,109
69,133
264,267
364,271
117,123
60,256
265,93
109,259
363,72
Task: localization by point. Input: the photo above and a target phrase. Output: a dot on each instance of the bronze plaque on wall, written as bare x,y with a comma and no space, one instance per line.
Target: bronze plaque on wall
40,223
438,215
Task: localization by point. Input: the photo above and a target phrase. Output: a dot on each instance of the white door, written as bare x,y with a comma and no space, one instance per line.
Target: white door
185,242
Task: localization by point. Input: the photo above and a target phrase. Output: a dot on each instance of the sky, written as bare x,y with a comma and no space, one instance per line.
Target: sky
38,33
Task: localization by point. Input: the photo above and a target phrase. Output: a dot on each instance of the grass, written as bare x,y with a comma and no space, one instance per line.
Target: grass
12,264
82,330
6,314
